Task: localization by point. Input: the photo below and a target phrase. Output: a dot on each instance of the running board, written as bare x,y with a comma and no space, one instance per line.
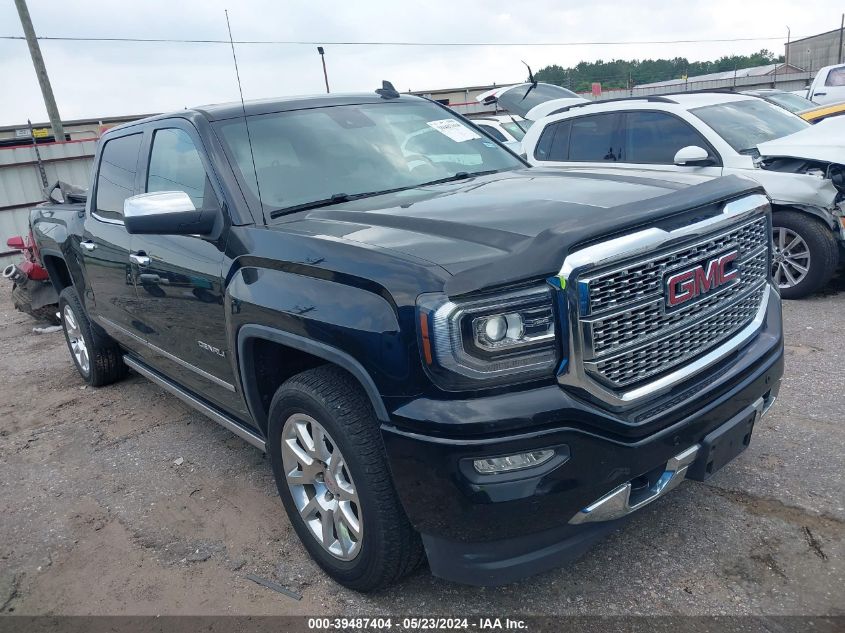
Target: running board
221,419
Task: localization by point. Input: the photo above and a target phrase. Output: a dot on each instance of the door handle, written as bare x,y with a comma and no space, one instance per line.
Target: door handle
139,258
819,94
88,245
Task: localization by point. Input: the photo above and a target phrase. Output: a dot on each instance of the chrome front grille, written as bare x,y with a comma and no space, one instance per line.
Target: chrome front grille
640,279
627,333
632,366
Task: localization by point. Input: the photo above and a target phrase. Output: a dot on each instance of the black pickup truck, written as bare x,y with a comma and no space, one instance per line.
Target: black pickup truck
445,353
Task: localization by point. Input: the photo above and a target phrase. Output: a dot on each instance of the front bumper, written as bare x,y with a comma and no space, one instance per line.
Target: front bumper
494,529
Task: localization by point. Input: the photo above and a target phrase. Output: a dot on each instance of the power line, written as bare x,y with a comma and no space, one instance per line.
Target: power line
156,40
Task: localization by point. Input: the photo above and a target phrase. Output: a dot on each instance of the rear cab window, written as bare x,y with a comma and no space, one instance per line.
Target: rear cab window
836,77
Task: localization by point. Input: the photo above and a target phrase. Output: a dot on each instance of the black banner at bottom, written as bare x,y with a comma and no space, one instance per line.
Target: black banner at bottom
415,623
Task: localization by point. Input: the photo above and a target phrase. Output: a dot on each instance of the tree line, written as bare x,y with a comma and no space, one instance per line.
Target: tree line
619,73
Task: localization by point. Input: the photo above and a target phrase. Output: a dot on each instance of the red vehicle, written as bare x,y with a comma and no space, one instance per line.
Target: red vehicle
32,291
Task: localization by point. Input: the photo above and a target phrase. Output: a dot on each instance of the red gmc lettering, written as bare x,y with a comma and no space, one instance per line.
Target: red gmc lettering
701,279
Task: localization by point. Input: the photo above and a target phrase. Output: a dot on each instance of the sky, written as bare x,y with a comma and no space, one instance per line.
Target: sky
99,79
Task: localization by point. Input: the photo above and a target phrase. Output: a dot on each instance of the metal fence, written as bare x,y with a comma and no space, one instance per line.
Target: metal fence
792,81
21,187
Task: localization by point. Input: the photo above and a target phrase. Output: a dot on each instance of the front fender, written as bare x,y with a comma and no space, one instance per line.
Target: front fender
796,189
357,328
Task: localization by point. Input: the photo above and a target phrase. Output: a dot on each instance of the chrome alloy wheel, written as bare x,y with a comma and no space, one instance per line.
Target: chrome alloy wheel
791,261
321,486
77,342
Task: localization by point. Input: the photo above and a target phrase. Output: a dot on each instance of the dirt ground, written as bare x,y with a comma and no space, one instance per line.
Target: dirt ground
96,517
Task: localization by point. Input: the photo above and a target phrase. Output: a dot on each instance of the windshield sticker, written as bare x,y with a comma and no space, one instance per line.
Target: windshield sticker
454,130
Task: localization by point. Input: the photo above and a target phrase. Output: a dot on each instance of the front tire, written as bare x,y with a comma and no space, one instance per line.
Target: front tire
805,254
332,475
97,356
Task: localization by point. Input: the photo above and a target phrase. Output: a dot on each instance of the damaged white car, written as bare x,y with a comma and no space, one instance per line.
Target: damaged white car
801,166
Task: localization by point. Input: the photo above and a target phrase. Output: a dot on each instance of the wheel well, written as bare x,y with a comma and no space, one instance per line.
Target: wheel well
271,364
808,211
58,271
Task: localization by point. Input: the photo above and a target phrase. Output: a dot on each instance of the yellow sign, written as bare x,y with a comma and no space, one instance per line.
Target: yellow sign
41,132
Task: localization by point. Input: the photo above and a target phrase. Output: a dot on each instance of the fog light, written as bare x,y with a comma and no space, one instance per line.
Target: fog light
493,465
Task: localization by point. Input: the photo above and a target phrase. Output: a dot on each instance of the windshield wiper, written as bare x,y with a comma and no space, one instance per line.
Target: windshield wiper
461,175
337,198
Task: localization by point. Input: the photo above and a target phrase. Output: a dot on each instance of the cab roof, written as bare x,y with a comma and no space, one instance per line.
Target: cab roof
233,109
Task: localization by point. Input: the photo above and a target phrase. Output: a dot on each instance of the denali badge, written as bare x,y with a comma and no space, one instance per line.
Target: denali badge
212,349
708,276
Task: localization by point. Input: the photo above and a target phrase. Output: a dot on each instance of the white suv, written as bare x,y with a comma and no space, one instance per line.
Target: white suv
802,167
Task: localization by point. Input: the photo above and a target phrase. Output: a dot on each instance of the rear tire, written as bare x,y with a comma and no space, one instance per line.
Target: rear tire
97,356
325,411
805,254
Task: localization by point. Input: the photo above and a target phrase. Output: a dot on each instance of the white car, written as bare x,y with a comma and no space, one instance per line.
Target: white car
504,128
801,166
828,85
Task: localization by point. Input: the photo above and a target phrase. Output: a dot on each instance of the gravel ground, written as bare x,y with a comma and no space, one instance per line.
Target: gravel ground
96,517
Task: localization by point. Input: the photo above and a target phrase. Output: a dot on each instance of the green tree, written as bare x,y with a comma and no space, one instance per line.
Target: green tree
619,73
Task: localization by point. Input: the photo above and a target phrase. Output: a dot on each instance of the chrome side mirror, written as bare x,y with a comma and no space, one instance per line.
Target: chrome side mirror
166,213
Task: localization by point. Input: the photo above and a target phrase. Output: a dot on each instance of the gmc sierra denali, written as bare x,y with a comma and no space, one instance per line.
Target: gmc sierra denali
445,353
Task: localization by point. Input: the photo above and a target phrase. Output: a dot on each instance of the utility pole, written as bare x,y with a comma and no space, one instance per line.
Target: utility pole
788,40
841,29
41,71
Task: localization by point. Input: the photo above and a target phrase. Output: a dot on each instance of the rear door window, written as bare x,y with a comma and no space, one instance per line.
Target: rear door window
655,137
595,138
554,142
116,176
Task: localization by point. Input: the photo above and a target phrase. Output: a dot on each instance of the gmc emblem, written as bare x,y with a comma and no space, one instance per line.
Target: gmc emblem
708,276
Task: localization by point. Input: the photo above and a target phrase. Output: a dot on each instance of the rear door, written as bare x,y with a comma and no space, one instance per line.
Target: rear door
582,141
178,277
105,242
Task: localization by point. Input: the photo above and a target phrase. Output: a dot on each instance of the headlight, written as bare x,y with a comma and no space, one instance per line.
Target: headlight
497,339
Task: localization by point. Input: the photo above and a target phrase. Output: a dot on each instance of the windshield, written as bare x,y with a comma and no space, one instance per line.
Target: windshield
517,130
744,124
791,102
307,156
512,100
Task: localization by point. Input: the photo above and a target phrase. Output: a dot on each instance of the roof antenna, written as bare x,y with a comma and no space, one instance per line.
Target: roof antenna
243,109
387,91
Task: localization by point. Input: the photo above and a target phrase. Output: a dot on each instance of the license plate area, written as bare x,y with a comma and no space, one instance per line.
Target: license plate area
723,445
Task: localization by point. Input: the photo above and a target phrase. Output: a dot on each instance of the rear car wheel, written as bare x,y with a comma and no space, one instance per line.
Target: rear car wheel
332,475
96,355
805,254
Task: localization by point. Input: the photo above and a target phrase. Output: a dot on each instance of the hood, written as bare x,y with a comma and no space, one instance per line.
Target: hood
824,141
483,230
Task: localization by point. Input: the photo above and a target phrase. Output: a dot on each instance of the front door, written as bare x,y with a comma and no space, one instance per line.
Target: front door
178,277
650,140
105,242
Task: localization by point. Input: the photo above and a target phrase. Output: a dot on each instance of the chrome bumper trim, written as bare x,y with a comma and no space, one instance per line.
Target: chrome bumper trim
617,503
